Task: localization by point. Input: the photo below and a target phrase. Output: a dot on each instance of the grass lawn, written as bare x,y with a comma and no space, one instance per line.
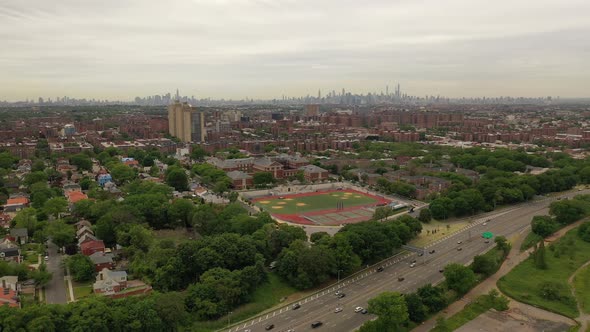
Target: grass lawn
82,289
318,202
482,304
177,235
425,237
266,296
524,281
31,257
582,286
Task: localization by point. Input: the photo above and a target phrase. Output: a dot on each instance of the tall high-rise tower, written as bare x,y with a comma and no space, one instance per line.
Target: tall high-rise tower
186,123
177,95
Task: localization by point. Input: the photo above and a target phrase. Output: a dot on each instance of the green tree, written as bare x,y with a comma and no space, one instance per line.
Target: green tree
425,215
391,307
81,160
417,311
81,267
55,206
176,178
122,174
35,177
539,256
503,244
483,264
61,233
7,160
26,218
263,178
459,278
433,297
543,225
180,213
382,212
584,231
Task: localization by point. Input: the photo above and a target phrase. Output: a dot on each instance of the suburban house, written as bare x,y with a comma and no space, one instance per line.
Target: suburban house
8,296
109,282
82,223
16,204
10,254
101,261
86,238
5,220
10,282
75,196
240,180
90,247
20,235
84,230
104,179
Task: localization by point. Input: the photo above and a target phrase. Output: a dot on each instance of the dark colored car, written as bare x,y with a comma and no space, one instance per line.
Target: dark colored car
432,251
341,295
380,269
413,261
364,311
316,324
441,270
269,327
421,254
400,279
459,249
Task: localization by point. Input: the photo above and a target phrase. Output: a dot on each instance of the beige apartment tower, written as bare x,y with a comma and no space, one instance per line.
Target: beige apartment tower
186,123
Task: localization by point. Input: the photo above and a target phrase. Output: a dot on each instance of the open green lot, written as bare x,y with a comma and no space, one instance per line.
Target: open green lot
317,202
582,287
524,283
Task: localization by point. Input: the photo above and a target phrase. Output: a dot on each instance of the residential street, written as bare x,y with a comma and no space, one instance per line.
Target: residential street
55,291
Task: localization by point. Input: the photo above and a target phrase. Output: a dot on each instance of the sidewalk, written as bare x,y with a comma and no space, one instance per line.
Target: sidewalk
514,258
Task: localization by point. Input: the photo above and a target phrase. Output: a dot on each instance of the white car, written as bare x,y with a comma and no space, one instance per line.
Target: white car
485,223
337,310
459,242
413,264
358,309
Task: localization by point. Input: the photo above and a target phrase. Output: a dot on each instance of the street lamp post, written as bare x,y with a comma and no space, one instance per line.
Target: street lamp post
229,318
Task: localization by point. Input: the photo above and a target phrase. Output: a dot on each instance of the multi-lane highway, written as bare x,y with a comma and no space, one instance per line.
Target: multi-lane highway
397,275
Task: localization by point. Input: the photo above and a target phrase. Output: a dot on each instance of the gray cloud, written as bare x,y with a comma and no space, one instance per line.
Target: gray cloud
266,48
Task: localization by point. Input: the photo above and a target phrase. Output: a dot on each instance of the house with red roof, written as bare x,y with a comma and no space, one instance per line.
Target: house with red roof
90,247
16,204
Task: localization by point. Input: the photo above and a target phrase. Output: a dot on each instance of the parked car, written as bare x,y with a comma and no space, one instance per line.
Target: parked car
46,257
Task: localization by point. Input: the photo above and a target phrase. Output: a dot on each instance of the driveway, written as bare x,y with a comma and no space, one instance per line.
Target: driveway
55,290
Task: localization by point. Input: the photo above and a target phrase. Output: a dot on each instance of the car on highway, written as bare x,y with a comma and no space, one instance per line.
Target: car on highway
413,261
421,254
380,269
459,249
459,242
441,270
269,327
413,264
295,306
485,223
358,309
341,295
337,310
316,324
432,251
401,279
364,311
487,241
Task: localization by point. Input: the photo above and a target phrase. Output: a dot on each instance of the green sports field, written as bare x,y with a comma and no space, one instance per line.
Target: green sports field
297,204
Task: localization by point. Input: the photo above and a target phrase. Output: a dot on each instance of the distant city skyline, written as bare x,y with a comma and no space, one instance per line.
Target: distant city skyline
262,49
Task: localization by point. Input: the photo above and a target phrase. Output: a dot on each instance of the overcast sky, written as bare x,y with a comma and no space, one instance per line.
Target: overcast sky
119,49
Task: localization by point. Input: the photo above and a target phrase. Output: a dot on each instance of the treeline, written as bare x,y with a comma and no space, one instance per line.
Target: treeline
561,213
306,265
499,185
